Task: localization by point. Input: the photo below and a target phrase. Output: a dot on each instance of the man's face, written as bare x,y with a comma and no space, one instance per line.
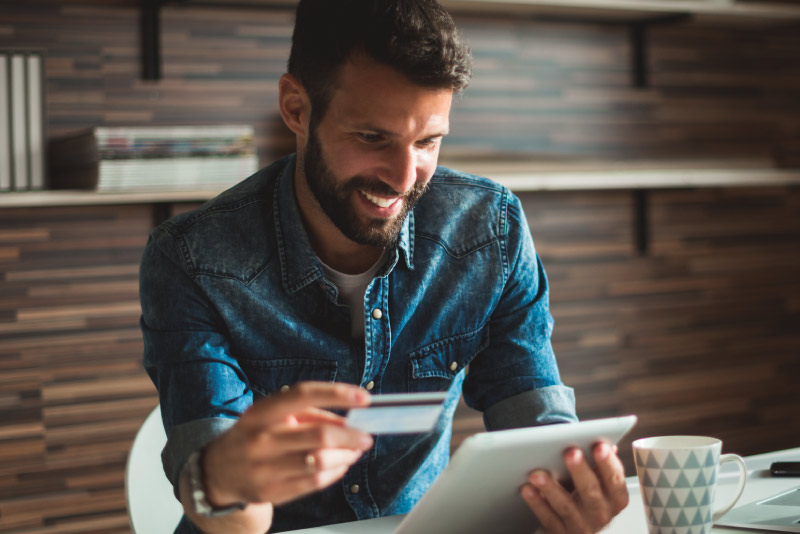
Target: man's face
370,158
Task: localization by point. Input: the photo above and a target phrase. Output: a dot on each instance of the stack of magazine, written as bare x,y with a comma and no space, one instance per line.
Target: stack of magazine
155,158
22,120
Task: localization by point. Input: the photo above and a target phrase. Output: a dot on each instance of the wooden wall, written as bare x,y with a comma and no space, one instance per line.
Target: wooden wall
700,335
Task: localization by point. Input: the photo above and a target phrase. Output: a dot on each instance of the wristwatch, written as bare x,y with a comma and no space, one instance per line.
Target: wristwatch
197,490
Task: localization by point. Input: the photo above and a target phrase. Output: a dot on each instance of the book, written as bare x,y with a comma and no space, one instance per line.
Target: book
155,158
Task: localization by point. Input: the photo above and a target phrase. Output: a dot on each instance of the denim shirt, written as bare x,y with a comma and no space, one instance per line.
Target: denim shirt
235,305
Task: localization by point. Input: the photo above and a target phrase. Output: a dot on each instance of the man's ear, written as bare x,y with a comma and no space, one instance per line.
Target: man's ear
295,105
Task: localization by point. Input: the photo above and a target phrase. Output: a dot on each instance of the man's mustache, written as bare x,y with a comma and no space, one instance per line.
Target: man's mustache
374,186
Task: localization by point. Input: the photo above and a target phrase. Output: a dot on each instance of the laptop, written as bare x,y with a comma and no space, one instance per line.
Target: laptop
776,513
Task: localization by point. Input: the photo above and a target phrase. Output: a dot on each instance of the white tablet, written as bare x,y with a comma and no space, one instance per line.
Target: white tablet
478,492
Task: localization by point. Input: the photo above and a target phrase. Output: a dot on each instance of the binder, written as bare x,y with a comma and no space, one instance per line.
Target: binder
5,125
22,120
35,115
19,126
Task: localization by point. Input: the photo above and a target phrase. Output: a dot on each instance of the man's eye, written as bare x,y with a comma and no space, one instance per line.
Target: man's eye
370,137
430,142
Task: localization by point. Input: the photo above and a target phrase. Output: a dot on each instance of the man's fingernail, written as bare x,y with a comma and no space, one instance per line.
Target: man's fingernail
538,478
602,451
574,456
365,441
528,492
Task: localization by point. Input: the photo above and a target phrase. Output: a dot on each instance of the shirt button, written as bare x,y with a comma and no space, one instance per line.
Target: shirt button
377,313
284,388
370,385
354,489
454,366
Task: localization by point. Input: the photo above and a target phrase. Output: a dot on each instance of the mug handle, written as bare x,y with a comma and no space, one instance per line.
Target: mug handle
725,458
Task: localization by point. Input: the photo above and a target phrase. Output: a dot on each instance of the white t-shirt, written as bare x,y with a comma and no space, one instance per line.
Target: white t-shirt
352,288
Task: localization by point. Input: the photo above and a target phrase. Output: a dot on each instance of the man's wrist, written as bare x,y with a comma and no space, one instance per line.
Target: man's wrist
204,504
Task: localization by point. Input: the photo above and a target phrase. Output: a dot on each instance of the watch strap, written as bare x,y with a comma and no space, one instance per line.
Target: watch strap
197,490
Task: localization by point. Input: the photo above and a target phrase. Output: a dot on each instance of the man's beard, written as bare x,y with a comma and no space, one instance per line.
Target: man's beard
335,199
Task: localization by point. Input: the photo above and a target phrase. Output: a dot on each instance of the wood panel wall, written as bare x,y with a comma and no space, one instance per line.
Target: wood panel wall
72,389
698,336
543,88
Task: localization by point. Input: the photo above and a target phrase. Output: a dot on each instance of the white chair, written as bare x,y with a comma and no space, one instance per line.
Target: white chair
152,506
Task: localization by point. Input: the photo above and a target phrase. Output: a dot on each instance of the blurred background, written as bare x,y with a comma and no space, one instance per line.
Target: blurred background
656,152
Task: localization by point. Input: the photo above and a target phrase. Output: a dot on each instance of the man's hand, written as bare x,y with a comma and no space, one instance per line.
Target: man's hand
286,446
599,493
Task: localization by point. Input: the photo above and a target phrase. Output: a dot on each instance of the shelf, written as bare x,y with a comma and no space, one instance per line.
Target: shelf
32,199
634,10
618,10
519,176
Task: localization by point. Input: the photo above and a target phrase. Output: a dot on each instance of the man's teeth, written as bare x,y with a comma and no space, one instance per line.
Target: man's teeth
382,202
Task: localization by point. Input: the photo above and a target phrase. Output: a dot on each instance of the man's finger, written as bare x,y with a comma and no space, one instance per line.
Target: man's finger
299,486
303,463
560,501
319,415
590,492
309,436
549,520
612,476
302,396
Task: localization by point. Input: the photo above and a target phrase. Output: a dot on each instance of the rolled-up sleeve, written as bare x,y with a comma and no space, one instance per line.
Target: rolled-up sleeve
187,354
543,406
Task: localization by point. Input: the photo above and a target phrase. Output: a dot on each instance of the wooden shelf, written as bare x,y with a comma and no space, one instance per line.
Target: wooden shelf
633,10
30,199
619,10
534,176
519,176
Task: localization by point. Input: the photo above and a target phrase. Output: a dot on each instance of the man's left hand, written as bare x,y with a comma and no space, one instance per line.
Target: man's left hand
599,494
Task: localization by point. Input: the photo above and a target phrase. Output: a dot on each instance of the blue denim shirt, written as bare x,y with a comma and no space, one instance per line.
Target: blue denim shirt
235,305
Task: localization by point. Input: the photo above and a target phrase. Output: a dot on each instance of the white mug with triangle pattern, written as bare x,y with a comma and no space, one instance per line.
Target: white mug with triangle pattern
678,479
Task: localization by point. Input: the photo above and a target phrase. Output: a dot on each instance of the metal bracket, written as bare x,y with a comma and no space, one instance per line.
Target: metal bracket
639,45
150,27
641,224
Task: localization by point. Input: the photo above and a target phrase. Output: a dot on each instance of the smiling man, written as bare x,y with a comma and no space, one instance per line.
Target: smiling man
356,266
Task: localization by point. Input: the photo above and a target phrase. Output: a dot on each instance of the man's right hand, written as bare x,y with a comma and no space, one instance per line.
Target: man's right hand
284,447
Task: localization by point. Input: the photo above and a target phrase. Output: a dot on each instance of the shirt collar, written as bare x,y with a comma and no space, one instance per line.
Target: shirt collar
299,264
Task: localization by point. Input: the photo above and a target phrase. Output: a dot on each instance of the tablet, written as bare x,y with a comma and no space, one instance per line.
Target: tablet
478,492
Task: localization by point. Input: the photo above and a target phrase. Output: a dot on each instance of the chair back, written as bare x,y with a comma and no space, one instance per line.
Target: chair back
152,506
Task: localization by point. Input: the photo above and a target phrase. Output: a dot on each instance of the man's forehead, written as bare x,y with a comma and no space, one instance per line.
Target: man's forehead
371,94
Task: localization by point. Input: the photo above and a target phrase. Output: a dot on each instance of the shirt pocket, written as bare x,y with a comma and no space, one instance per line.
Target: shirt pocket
270,376
434,366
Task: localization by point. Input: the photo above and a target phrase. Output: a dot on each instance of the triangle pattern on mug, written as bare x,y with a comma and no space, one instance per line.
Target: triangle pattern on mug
678,488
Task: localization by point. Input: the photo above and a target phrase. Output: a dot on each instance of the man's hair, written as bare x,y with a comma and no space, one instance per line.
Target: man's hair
418,38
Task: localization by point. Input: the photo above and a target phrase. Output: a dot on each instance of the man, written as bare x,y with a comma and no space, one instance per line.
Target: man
355,262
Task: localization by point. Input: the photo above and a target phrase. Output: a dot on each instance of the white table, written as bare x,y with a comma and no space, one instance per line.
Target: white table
632,519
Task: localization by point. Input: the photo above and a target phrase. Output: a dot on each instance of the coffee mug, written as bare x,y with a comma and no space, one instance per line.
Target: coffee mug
678,479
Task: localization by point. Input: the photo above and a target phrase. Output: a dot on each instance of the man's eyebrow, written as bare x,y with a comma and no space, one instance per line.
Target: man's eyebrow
389,133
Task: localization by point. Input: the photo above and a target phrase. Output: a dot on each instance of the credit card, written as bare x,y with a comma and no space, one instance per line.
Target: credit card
398,413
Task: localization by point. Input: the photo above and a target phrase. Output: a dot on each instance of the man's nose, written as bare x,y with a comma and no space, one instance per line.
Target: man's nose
401,170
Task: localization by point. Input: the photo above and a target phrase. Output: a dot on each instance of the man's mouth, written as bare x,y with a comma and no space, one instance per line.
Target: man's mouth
379,201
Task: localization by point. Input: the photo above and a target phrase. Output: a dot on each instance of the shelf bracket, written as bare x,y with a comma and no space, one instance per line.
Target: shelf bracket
150,28
641,224
161,212
639,46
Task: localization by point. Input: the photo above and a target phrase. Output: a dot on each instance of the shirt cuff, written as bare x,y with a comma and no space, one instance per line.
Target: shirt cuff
542,406
187,438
